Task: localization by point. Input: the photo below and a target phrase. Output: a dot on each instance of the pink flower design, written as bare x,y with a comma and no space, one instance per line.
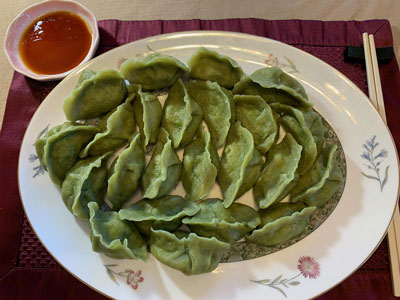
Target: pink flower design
133,278
120,62
272,60
308,267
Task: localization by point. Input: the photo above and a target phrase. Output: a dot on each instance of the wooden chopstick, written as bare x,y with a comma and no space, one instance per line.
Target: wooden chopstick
380,105
370,70
376,96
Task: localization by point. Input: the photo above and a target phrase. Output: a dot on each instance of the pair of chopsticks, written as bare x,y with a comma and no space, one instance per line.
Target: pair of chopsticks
376,98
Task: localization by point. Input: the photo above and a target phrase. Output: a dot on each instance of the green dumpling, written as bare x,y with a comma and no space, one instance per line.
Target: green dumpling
289,187
278,172
189,254
85,182
332,184
182,115
240,164
279,210
200,166
209,65
226,224
293,121
246,86
148,115
217,105
283,223
315,178
155,71
164,169
163,213
86,74
114,237
314,123
125,173
275,86
95,95
256,115
58,150
119,127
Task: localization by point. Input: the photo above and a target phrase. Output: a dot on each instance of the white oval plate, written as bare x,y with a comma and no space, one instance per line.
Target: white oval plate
304,270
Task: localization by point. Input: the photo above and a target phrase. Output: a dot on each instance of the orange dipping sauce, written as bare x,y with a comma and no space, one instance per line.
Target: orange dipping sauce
55,43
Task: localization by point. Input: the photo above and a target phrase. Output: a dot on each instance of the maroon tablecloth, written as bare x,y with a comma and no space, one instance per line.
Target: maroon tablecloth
27,271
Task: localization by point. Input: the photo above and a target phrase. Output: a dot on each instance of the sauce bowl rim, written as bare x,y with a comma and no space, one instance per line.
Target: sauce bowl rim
14,33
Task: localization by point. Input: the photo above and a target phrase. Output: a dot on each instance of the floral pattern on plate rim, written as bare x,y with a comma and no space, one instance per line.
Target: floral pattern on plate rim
288,67
133,278
374,161
38,169
307,266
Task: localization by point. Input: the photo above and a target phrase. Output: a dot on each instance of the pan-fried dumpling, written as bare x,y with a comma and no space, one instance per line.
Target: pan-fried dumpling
125,173
281,223
200,166
226,224
256,115
181,115
278,172
163,213
155,71
164,169
119,127
274,85
314,123
187,253
293,121
217,105
315,178
58,150
114,237
148,114
240,164
209,65
96,95
85,182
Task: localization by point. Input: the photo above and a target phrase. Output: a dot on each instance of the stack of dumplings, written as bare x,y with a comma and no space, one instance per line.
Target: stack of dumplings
98,158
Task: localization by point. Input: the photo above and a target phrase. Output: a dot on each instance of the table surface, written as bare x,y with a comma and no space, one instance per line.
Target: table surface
195,9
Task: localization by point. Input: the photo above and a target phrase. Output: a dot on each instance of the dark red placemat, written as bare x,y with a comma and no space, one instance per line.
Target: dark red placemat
27,271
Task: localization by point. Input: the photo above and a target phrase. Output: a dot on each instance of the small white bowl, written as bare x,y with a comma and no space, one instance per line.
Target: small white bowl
25,18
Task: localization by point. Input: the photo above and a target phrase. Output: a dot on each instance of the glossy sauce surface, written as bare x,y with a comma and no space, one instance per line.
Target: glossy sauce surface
55,43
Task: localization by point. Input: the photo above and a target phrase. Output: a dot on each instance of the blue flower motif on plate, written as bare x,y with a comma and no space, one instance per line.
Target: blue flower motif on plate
374,159
38,170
